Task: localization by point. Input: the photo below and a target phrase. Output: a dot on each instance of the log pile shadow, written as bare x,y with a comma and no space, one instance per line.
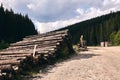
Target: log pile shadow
84,56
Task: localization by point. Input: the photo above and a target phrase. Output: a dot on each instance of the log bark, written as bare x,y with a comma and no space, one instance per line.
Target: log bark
5,67
32,46
36,40
11,62
49,34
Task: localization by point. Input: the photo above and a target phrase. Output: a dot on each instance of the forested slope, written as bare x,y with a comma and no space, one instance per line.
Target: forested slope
102,28
13,27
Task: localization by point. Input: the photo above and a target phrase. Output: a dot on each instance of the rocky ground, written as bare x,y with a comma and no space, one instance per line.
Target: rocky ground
98,63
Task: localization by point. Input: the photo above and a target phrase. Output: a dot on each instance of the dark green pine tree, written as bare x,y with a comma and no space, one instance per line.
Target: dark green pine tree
97,29
14,27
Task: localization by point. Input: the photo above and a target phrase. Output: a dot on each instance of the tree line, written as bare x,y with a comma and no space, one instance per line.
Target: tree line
96,30
13,27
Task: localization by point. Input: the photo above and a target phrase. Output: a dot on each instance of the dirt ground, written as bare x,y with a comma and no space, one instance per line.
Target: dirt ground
98,63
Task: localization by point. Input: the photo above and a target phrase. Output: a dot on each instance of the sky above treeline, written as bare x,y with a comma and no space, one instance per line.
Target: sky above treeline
48,15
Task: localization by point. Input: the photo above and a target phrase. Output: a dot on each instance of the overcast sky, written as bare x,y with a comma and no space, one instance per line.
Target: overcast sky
49,15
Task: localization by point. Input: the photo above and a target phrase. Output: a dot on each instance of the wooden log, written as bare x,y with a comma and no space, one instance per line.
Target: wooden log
7,62
43,37
5,67
38,53
40,40
48,34
9,58
20,56
29,50
15,53
32,46
45,53
46,37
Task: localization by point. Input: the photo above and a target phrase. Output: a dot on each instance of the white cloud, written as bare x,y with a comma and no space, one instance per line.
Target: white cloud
49,26
80,11
8,3
49,10
53,14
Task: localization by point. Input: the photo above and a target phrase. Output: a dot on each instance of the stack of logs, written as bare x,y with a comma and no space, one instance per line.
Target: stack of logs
20,53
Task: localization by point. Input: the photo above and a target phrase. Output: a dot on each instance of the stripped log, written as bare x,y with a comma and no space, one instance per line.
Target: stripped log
48,34
12,62
5,67
9,58
40,43
14,53
39,39
32,46
28,49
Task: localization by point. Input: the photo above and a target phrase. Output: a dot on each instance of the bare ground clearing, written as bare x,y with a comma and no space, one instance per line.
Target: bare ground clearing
98,63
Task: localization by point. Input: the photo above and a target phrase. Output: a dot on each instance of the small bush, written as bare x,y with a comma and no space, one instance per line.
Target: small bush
115,38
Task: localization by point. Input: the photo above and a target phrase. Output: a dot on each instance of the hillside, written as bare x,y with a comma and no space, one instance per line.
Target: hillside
102,28
13,27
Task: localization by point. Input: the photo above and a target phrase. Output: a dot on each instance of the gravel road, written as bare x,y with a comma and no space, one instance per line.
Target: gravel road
98,63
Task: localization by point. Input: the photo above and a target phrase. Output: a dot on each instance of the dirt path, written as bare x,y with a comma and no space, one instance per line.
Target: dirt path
96,64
